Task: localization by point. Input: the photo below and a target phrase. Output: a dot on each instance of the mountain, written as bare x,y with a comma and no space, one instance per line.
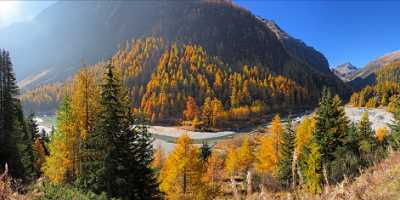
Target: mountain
367,74
70,32
345,71
298,49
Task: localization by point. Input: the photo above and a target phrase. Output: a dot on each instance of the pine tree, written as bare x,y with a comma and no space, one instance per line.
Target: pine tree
366,139
32,127
284,168
119,156
347,157
394,138
15,144
25,145
39,151
331,128
205,151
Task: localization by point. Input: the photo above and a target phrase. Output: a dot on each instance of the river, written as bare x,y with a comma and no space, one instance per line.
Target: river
166,136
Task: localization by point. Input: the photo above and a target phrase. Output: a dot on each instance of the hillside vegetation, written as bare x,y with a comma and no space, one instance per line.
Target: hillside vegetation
176,83
384,93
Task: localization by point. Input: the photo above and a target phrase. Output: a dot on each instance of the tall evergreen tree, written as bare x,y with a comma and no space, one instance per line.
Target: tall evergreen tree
347,157
366,140
205,151
119,156
394,138
284,170
32,127
24,144
15,145
331,128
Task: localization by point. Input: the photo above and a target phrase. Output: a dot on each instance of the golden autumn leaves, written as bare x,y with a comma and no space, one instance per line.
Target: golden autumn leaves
75,119
184,174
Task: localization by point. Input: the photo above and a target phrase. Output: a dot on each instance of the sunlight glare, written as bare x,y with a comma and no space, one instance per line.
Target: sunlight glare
9,10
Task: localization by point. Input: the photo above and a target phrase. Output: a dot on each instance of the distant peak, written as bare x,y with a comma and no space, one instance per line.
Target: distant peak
347,65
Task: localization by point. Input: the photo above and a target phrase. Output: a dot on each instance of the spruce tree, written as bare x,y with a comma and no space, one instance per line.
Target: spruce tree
347,157
32,127
119,155
284,170
15,145
331,128
25,145
205,151
394,138
366,140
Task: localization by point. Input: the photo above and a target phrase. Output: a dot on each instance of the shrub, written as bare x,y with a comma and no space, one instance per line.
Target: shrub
66,192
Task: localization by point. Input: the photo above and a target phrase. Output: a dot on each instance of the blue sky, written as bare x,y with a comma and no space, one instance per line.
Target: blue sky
354,31
344,31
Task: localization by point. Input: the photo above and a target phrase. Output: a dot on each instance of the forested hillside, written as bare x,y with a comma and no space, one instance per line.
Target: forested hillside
172,82
221,28
94,152
385,92
367,75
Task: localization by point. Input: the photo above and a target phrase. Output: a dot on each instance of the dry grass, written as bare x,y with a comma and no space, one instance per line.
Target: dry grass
380,182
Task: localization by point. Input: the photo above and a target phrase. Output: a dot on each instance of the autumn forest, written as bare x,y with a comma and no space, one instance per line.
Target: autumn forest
200,100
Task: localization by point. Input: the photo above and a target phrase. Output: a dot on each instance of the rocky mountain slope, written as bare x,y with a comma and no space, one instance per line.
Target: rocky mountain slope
367,74
298,49
70,32
345,71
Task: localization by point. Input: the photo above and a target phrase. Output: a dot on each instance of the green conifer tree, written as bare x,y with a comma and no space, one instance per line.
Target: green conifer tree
118,155
366,139
15,145
284,170
205,151
331,129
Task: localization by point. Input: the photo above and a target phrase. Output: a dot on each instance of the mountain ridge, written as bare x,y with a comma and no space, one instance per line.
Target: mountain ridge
224,29
345,71
367,74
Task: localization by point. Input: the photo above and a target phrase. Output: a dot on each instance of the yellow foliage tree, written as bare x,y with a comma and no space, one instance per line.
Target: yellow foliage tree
85,107
267,154
40,153
304,132
381,133
245,156
231,163
59,164
159,158
213,176
182,172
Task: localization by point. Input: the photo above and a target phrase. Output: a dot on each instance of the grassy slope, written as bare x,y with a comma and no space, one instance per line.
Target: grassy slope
381,181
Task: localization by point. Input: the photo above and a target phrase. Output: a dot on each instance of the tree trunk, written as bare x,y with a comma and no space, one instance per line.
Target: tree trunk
294,165
249,184
263,193
234,189
325,175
